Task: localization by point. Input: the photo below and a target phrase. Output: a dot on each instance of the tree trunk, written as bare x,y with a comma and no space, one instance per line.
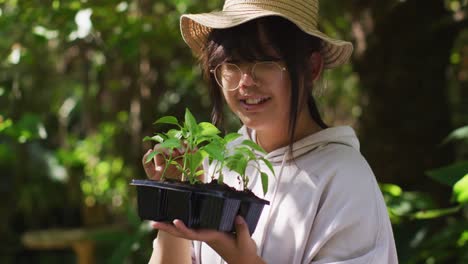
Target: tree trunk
405,108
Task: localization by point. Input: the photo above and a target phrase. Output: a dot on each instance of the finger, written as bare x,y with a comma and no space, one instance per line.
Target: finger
159,160
168,228
204,235
200,235
242,231
145,156
176,153
161,150
160,225
149,167
184,230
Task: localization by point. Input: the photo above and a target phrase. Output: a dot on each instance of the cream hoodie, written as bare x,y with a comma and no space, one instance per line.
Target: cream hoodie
325,205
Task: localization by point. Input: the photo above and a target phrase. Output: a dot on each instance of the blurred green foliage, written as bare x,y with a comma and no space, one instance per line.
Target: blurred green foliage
81,83
424,232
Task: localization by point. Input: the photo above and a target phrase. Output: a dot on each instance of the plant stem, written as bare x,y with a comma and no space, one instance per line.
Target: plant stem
214,171
168,163
183,168
190,167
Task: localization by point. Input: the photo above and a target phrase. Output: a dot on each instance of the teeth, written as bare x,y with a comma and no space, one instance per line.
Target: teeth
254,101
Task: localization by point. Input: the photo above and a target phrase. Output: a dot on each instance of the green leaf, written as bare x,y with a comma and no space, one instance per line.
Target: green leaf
171,143
178,166
208,129
231,136
215,150
264,182
157,138
5,124
458,134
268,163
237,163
174,133
196,160
202,139
151,156
253,145
391,189
185,133
460,190
449,175
463,239
191,123
246,151
435,213
171,120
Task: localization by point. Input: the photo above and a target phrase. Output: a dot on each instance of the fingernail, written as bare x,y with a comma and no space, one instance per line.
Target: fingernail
239,220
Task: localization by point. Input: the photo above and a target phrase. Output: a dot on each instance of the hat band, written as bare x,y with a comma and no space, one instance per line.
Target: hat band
306,14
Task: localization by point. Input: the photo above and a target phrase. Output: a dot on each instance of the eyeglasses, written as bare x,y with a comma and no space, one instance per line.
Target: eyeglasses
229,75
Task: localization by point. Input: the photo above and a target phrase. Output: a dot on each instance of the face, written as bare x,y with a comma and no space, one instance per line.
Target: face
261,97
260,103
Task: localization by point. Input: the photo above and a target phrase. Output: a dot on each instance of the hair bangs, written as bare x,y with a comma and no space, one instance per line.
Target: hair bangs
241,43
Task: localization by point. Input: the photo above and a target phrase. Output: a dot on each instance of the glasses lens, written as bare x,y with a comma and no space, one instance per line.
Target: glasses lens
228,75
267,71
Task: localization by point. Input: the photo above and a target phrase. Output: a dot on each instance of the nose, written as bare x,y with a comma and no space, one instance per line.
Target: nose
247,80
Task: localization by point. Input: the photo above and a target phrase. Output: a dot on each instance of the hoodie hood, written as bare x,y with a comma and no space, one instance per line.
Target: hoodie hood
344,135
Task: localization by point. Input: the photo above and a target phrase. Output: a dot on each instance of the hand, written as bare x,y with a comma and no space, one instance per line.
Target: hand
154,168
233,249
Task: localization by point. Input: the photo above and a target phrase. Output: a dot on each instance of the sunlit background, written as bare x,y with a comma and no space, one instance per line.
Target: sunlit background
81,83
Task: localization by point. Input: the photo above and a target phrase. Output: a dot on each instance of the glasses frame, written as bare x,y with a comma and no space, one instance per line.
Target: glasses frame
250,70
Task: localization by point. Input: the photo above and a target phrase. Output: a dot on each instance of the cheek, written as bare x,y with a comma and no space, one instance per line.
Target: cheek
284,92
284,96
227,96
230,99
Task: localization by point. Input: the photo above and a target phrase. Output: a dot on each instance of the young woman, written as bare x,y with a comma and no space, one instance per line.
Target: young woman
261,58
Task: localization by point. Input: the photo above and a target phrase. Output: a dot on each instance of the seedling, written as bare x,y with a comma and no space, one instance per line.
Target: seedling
200,141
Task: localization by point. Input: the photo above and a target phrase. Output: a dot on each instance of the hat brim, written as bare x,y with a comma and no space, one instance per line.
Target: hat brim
195,29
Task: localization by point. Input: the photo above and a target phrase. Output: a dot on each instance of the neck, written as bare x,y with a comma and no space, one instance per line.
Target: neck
271,139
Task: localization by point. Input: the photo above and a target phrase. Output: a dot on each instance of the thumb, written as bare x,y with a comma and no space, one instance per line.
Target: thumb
242,231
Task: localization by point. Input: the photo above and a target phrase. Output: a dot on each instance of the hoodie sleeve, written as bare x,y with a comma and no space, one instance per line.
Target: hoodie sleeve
352,225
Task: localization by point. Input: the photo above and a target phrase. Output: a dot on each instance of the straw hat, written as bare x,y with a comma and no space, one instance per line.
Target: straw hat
195,28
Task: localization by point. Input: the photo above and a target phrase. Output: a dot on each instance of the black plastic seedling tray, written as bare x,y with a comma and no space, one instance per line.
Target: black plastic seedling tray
210,206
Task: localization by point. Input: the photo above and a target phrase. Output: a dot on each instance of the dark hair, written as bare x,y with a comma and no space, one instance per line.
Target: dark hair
244,43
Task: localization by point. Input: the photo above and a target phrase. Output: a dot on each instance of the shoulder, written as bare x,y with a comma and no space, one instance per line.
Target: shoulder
351,213
349,177
344,179
334,161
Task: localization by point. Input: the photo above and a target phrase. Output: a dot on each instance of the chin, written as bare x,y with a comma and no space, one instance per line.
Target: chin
257,124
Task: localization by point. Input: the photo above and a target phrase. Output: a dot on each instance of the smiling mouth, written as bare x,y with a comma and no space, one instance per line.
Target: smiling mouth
255,101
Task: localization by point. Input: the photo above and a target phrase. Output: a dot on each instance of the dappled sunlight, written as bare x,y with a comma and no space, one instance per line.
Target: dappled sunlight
82,82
